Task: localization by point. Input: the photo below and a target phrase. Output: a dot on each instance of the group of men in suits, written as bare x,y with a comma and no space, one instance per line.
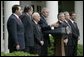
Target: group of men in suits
71,38
26,31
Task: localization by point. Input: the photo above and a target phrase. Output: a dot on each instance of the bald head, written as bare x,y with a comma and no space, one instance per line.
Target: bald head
36,16
61,16
66,12
45,12
67,16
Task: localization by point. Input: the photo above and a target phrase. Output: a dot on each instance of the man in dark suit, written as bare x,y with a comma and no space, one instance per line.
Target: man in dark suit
38,37
70,38
75,32
44,27
28,34
15,30
62,23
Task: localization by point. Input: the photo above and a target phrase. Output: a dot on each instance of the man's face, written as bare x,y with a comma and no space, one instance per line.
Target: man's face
62,17
67,16
31,11
73,16
46,13
19,11
37,17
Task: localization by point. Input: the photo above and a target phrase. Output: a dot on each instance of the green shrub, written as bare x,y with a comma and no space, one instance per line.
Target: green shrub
18,53
51,49
80,50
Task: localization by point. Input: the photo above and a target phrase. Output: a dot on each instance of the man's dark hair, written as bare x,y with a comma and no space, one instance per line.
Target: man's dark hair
27,8
71,13
14,8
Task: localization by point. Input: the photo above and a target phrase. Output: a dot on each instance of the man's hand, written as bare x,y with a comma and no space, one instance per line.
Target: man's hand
66,41
42,42
17,47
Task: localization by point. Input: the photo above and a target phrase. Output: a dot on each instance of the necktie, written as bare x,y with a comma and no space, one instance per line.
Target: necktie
74,24
68,28
39,28
19,19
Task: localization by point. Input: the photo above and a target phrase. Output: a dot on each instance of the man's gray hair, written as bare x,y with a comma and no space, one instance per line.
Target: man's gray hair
66,12
59,14
35,14
42,11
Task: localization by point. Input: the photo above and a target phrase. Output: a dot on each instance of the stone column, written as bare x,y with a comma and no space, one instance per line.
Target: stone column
1,27
53,11
79,11
7,12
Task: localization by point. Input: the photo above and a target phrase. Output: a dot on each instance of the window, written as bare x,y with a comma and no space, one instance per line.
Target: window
38,9
33,8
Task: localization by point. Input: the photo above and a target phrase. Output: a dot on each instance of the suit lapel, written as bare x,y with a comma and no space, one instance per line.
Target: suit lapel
44,20
18,20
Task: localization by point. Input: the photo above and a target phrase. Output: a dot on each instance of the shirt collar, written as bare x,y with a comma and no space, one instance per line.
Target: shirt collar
72,21
35,22
16,15
28,14
66,21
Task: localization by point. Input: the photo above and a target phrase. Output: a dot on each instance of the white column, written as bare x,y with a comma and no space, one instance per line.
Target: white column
53,11
79,11
1,27
7,12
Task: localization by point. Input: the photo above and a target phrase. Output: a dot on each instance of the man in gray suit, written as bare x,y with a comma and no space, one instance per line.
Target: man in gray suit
15,30
28,34
70,39
38,37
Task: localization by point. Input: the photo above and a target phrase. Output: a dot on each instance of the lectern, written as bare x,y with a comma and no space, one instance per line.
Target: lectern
58,40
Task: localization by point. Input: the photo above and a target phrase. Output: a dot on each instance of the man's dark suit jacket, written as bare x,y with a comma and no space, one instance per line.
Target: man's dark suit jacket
75,32
75,29
60,30
69,36
15,33
29,38
74,39
44,27
37,35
